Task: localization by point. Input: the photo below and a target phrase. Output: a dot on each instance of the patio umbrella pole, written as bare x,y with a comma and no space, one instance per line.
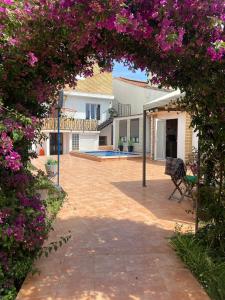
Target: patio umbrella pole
144,149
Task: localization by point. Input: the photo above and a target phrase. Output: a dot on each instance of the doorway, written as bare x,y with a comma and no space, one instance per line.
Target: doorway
54,143
171,138
166,138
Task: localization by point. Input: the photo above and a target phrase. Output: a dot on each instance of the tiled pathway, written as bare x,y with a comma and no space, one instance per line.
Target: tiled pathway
119,248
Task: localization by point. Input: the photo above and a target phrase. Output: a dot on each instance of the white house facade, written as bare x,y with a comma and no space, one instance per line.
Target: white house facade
84,109
168,131
171,131
102,112
130,129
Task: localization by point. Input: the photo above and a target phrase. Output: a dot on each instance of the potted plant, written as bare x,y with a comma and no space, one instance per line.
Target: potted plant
51,167
130,146
120,144
112,112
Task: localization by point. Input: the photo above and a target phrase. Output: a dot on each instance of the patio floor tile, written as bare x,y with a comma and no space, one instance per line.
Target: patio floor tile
119,246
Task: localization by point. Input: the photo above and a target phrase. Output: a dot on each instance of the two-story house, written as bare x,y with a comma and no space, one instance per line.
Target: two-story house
86,121
101,111
84,109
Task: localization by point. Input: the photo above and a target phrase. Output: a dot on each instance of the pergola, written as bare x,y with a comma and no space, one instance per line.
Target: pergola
165,103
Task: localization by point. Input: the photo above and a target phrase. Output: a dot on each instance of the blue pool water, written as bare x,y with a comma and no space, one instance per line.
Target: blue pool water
110,153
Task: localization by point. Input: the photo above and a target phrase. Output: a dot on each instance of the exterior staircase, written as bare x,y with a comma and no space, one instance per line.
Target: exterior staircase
105,123
118,110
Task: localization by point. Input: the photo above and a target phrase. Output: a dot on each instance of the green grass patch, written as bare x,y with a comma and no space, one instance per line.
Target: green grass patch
207,266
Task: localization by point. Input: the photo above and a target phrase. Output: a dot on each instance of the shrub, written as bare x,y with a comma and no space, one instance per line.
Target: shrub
25,223
205,264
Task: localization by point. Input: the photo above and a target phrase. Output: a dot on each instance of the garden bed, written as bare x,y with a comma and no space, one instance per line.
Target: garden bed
206,264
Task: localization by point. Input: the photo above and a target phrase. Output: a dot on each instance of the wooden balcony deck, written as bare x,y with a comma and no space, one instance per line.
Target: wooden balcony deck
70,124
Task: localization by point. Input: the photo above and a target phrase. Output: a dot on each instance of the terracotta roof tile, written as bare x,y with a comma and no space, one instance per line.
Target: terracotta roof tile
143,84
139,83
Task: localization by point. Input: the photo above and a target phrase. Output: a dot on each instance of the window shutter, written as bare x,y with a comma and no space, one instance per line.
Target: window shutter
98,112
87,111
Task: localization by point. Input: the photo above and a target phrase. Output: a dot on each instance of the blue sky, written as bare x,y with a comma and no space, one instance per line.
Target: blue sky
120,70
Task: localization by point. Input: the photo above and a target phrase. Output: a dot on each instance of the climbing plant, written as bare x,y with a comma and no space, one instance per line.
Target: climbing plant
45,44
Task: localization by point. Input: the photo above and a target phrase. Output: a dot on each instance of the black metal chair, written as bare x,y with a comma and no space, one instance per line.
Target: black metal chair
184,184
176,169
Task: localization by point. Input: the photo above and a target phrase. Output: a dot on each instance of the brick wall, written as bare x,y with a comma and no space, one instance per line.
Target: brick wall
188,137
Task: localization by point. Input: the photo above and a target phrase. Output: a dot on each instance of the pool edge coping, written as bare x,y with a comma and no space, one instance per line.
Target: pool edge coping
100,159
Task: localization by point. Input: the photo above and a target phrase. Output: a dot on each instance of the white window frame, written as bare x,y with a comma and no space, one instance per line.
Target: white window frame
92,109
75,142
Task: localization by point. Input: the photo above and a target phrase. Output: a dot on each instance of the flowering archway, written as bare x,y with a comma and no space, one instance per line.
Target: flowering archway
46,44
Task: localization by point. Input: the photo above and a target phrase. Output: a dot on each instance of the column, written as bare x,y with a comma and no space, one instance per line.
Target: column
70,142
47,144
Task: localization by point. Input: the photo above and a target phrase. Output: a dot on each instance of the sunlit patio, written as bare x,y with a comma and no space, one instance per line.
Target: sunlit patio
119,247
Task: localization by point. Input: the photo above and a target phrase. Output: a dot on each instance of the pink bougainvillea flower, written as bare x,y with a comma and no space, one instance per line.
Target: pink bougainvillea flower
13,41
8,2
6,144
13,161
32,59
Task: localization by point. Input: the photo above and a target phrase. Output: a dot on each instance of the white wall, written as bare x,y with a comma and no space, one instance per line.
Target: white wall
79,104
66,142
107,131
126,93
44,144
180,133
89,141
138,147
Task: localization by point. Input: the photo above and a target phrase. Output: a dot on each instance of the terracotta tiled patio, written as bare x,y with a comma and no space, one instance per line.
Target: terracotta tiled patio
119,248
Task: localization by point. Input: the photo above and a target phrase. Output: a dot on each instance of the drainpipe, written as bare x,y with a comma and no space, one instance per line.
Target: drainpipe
144,149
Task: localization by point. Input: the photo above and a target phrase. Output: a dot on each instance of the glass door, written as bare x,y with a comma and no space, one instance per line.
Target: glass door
54,143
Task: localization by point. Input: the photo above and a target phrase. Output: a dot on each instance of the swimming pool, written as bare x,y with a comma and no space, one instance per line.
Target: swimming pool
110,153
102,155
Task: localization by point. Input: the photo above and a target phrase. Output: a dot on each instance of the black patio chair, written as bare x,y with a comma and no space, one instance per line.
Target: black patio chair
176,169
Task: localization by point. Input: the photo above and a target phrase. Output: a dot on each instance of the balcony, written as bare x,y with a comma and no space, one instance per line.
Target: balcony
121,110
70,124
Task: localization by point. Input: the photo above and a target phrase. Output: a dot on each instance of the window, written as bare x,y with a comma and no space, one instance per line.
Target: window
98,112
75,141
123,130
102,140
93,111
134,130
87,111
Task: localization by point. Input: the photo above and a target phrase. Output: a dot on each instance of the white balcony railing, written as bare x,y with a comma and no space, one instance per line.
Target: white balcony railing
70,124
